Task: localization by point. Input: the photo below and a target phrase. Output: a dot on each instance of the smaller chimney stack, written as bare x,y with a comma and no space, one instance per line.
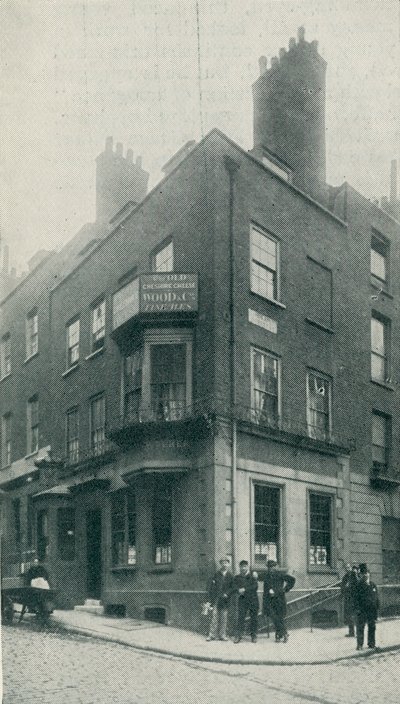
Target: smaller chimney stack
119,149
292,43
109,144
263,64
301,34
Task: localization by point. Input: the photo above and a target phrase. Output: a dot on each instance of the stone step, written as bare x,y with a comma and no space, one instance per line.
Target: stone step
92,602
90,609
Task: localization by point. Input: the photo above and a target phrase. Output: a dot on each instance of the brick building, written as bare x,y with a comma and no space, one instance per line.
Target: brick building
212,371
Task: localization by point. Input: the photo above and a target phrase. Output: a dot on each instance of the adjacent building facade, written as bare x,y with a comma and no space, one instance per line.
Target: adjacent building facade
213,373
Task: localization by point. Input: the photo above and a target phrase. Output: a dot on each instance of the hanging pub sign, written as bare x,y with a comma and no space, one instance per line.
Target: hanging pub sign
155,293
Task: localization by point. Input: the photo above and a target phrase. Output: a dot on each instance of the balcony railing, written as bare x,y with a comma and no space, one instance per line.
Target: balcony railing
384,476
102,452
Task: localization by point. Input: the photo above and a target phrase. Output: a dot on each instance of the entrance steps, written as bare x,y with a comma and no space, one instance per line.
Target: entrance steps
91,606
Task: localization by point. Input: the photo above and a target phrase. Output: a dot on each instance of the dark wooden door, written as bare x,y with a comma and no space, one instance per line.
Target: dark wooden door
93,547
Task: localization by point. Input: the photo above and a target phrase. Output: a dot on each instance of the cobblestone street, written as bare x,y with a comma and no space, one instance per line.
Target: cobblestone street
55,668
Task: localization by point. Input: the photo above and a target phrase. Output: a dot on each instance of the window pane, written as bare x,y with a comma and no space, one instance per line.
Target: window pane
72,436
97,424
164,259
168,381
377,336
162,521
320,530
123,528
66,533
378,259
266,523
98,325
42,535
265,387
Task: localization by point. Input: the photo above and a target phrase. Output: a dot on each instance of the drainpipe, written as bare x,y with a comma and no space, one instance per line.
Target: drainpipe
232,167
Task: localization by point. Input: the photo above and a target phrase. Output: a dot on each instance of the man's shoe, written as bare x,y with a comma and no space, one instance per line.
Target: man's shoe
277,639
254,639
286,637
209,638
224,638
237,640
359,647
372,646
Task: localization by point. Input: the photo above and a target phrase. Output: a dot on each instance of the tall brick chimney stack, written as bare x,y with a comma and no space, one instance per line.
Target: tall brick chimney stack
118,180
289,112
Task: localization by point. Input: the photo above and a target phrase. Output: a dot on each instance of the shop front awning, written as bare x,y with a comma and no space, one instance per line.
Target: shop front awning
60,490
138,472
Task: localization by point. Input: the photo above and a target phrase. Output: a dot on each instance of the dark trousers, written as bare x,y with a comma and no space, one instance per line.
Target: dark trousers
244,606
363,619
278,618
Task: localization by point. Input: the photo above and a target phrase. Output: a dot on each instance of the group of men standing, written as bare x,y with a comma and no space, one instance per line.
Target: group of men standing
361,604
224,585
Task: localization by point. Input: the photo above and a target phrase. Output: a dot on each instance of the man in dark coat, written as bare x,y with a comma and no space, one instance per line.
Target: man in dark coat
367,607
246,585
347,588
276,584
219,594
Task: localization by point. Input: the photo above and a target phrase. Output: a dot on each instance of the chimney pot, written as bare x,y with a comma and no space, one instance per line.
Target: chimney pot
301,33
109,144
292,43
118,149
274,62
263,64
129,155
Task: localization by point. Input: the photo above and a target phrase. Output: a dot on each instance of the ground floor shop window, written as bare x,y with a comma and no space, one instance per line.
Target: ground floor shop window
42,535
162,521
66,533
123,528
391,549
267,509
320,530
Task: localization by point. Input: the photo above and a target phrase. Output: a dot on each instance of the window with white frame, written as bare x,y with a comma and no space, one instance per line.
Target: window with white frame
133,363
318,406
379,258
6,440
32,423
381,432
168,381
66,533
264,253
123,528
5,355
267,523
320,530
98,326
163,258
98,424
72,435
265,387
380,343
32,334
73,343
162,520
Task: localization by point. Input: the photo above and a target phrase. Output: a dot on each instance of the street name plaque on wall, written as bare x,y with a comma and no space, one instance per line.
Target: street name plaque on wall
155,293
263,321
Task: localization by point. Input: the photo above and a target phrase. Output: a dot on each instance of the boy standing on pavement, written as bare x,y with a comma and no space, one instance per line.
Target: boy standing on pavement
219,594
246,584
367,606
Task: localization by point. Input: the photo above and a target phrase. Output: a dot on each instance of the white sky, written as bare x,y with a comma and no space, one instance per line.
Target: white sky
76,71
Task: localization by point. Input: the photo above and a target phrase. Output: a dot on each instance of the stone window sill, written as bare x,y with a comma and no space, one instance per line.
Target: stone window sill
94,354
70,370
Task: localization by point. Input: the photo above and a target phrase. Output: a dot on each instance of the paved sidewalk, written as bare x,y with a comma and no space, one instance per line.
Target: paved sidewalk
304,647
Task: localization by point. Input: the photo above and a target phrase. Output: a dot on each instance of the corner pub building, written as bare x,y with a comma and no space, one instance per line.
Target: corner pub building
211,368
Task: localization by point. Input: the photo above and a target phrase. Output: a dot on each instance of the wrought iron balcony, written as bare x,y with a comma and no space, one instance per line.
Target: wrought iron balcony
383,476
100,454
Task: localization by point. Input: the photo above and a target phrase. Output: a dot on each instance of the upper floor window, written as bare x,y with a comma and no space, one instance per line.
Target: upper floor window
380,341
157,377
72,435
381,432
98,424
265,387
6,440
123,528
379,258
318,406
320,530
32,421
98,326
133,385
274,166
264,264
73,343
32,334
163,259
319,293
5,355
